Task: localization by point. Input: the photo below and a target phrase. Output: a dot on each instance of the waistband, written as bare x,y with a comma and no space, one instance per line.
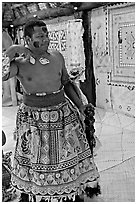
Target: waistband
42,101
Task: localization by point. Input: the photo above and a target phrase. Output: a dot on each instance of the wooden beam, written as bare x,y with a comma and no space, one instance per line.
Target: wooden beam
91,5
43,14
50,13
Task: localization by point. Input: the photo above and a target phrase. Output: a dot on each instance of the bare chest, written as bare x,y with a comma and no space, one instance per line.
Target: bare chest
40,72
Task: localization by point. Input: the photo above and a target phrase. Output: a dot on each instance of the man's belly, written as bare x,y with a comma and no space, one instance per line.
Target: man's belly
41,87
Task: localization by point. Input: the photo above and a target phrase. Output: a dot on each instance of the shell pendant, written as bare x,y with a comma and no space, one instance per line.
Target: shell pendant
42,60
32,60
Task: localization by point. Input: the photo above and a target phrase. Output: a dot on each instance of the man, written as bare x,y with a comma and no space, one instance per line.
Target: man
52,158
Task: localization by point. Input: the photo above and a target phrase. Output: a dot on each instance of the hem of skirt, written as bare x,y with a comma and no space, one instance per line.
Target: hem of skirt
48,198
90,188
71,197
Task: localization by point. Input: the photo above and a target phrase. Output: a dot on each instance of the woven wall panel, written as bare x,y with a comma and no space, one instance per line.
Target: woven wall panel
121,24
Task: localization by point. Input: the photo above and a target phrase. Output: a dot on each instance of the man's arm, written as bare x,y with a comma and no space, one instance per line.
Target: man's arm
12,71
70,88
9,65
9,68
72,94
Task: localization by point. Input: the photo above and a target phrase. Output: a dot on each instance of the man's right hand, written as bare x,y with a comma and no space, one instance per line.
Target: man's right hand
9,55
16,49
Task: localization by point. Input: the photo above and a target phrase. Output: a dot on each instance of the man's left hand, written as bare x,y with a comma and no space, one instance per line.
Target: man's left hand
83,108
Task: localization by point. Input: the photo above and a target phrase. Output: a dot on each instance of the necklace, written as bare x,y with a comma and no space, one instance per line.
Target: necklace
42,60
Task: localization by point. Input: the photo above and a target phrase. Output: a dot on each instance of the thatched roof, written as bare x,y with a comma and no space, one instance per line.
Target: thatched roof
17,13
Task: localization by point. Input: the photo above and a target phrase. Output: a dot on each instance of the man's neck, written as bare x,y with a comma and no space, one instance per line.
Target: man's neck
38,53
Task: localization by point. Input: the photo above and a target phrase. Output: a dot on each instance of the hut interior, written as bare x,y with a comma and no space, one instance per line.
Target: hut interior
16,14
97,40
90,51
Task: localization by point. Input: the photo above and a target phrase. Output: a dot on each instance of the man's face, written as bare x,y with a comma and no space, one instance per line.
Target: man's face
40,39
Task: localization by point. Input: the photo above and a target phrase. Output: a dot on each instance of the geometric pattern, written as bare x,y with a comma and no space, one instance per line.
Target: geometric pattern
52,161
65,39
121,32
127,48
58,40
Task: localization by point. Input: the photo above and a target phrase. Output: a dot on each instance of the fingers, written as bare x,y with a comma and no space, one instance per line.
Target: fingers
23,50
23,53
90,105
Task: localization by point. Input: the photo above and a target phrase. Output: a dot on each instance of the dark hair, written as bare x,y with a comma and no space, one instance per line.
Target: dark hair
29,26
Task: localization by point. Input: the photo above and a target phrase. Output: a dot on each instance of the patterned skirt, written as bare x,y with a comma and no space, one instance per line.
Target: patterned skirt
52,155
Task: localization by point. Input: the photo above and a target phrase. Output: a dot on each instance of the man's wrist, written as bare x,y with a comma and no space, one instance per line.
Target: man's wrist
82,109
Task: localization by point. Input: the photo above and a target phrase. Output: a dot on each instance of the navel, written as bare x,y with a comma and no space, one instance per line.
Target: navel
29,78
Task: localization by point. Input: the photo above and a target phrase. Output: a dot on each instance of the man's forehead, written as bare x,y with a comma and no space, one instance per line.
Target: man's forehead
40,28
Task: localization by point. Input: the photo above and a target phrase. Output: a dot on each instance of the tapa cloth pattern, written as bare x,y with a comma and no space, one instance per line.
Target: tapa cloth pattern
52,155
66,37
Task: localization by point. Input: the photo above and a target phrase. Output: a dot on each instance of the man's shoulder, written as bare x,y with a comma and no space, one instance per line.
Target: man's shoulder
15,48
55,53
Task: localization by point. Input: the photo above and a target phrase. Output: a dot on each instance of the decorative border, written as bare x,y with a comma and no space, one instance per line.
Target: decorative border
130,85
120,46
